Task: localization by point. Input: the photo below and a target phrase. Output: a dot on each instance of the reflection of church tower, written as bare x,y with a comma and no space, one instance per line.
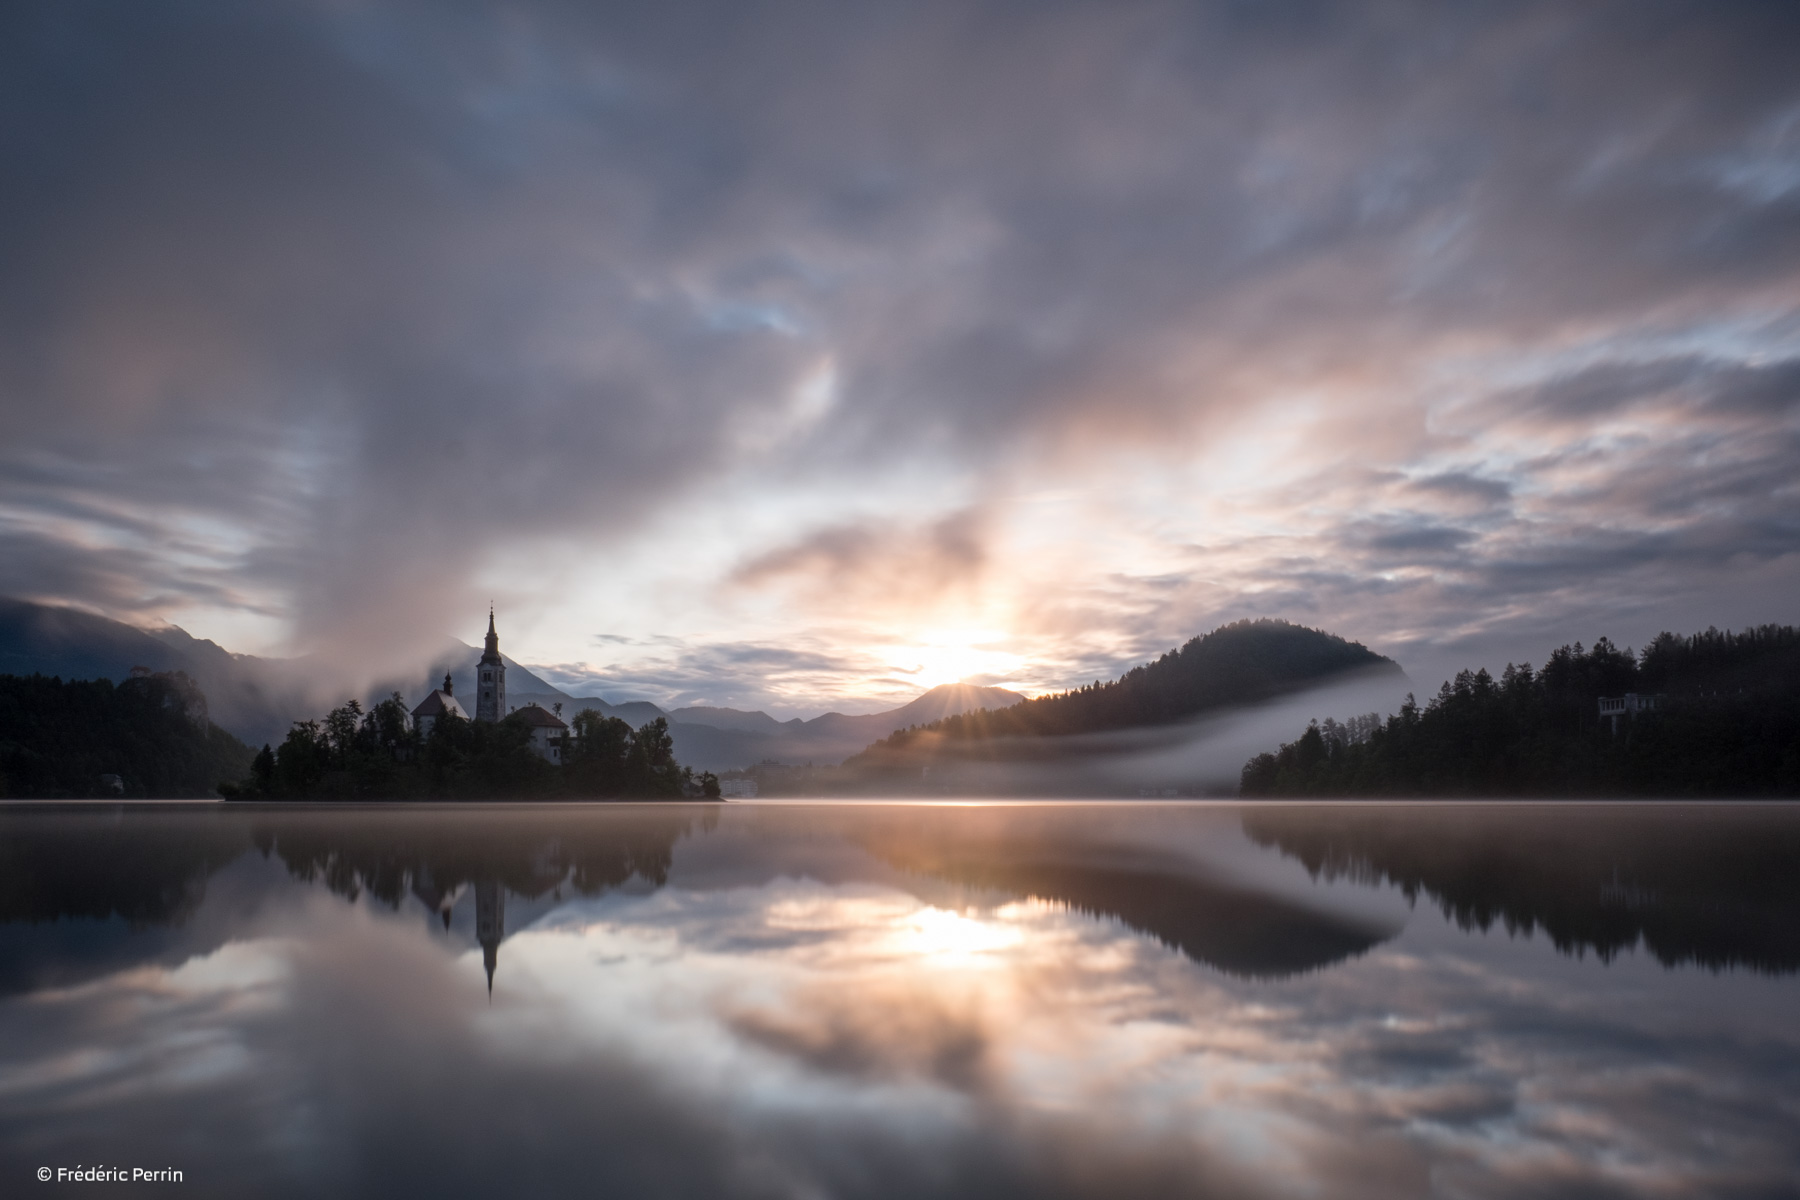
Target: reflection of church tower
490,684
490,925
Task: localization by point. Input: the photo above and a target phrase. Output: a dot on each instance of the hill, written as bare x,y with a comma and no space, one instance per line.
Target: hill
59,739
1237,665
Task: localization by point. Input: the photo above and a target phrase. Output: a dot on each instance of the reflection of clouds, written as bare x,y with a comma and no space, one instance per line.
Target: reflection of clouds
1501,1079
790,1036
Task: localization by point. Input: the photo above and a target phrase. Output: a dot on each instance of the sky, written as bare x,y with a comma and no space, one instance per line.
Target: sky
804,356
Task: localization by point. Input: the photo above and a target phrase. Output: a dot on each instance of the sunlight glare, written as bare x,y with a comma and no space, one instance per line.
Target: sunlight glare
941,933
952,656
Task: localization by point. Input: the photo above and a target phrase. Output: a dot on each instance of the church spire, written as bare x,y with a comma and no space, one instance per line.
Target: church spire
490,677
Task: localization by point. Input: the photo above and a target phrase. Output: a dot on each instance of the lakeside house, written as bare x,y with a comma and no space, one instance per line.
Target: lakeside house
1628,705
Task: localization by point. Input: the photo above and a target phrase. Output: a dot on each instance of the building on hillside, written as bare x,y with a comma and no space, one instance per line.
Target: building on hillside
490,678
738,788
1628,705
549,732
435,706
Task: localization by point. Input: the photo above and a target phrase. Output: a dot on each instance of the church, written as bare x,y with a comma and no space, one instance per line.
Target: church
548,730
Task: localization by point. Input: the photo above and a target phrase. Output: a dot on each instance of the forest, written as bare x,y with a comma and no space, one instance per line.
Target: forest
148,736
378,754
1725,722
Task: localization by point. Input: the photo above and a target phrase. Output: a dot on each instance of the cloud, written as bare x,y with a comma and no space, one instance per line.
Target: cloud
356,318
864,562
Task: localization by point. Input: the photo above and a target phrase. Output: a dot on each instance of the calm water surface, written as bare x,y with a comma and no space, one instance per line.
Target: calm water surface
869,1001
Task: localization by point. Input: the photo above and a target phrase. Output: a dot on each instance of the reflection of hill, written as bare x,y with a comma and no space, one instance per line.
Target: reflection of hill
1237,930
86,863
82,892
1715,885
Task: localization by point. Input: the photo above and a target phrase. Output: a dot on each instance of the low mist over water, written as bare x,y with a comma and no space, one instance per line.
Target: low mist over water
884,1000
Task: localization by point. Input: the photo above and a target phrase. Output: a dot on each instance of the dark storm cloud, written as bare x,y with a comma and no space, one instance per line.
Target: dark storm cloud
457,277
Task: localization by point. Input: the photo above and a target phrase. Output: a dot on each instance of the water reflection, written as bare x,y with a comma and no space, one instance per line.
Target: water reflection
1714,885
900,1002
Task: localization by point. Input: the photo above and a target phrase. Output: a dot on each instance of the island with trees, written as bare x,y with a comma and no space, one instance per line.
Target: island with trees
381,754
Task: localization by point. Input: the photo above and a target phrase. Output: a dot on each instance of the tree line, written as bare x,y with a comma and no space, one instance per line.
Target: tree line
378,754
1725,722
146,737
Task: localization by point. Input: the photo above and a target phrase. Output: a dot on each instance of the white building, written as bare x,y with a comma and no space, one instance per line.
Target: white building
1628,705
547,731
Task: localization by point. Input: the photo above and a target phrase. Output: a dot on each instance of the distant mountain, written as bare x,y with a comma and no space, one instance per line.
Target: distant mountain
634,713
721,739
734,719
829,739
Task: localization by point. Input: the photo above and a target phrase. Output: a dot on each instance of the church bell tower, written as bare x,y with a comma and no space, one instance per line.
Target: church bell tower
490,678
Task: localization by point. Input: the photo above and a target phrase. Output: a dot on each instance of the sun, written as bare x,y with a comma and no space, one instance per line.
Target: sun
951,656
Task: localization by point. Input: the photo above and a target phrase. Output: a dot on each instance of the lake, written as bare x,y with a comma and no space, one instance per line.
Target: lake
900,1001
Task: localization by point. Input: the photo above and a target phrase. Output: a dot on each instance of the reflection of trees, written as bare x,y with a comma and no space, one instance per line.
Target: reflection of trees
149,868
1237,930
528,852
1713,885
